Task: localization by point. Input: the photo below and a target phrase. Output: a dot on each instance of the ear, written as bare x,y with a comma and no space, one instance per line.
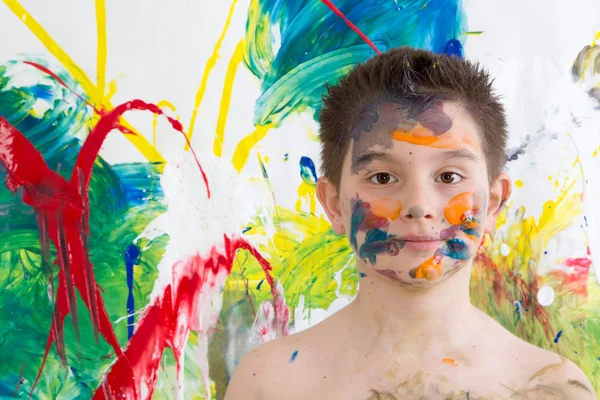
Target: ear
329,198
499,195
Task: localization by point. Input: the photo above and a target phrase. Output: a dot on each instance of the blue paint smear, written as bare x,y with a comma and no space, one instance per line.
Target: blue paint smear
315,47
454,48
376,242
259,284
362,274
132,257
308,171
517,305
457,249
558,336
294,355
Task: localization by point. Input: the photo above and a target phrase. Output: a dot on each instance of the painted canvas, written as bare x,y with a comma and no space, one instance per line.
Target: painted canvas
158,162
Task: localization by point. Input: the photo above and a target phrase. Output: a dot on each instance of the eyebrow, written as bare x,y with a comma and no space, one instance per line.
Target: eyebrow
370,156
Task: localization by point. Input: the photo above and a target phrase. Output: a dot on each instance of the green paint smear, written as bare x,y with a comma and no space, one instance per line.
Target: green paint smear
298,47
118,214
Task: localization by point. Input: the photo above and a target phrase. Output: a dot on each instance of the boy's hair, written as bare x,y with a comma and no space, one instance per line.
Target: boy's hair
415,79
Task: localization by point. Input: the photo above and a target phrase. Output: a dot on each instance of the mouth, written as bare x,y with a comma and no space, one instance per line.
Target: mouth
422,243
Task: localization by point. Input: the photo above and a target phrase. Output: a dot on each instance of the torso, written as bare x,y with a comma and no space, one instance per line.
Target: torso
329,366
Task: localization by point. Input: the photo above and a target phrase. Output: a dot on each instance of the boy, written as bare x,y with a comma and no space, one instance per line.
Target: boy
413,150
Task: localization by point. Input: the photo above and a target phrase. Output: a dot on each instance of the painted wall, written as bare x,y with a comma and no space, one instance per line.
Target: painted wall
132,262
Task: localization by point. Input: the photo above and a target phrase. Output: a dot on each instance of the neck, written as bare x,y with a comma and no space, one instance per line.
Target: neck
431,321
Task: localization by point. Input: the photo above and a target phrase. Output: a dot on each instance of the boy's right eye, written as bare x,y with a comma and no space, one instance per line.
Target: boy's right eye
382,178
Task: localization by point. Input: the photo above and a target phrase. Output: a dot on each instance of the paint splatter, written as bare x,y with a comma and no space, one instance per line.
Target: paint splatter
558,335
294,355
450,361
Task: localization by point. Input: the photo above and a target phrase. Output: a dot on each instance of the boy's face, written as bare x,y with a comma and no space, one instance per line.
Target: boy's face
414,198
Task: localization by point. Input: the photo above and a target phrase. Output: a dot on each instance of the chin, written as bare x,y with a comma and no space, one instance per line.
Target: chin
432,269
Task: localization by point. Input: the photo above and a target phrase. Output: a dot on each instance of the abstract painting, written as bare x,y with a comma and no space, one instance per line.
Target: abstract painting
158,162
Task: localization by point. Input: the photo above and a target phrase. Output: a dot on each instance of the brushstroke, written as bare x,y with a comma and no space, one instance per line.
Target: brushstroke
234,63
340,14
167,321
79,75
208,67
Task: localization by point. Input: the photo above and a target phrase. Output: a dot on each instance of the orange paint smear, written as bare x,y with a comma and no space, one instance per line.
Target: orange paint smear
422,136
430,269
386,208
461,208
450,361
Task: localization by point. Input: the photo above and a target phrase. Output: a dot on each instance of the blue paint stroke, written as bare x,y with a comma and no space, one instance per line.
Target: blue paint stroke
362,274
294,355
457,249
259,284
296,48
558,335
308,171
132,256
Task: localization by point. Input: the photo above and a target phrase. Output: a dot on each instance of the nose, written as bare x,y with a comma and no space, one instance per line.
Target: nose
418,204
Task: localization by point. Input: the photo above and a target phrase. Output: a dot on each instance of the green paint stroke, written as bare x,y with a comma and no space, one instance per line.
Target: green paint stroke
297,47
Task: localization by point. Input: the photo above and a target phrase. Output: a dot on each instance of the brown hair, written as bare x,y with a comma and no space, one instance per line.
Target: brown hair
414,79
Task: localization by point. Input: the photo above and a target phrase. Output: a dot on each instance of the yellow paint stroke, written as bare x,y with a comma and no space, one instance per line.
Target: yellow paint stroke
588,57
519,183
161,104
80,76
596,39
234,63
242,150
101,49
595,153
210,65
308,193
530,236
472,33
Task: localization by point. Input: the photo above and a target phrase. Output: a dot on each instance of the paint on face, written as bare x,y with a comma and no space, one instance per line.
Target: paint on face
461,211
379,121
431,128
374,218
430,269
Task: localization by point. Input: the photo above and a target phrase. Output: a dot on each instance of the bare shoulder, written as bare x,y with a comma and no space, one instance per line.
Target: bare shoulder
257,375
275,370
556,377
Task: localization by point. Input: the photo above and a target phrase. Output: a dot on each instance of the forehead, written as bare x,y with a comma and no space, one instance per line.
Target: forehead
439,126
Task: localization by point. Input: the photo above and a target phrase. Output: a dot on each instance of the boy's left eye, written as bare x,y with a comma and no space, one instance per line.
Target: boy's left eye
448,177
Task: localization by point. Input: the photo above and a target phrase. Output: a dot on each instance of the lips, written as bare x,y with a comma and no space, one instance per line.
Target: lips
422,242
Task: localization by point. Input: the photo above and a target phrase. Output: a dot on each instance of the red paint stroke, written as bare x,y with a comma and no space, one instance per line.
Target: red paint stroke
59,80
167,321
576,279
63,208
340,14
